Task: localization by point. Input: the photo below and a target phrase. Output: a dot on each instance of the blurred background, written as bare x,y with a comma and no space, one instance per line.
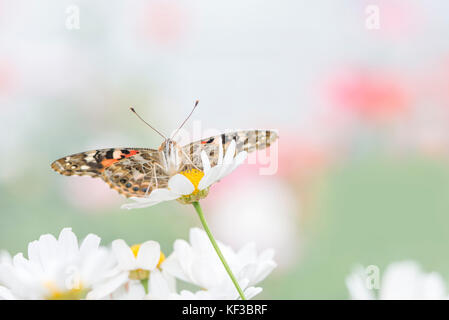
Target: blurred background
358,90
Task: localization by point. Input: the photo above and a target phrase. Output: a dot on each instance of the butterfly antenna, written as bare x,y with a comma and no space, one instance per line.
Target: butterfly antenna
134,111
184,122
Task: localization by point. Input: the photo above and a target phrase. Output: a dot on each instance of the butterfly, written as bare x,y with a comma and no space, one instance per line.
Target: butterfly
136,172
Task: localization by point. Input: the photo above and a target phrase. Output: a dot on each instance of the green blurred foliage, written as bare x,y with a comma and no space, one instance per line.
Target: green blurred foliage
372,211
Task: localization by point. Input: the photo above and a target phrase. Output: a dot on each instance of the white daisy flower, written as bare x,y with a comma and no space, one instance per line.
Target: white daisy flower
194,184
55,268
199,264
402,280
136,265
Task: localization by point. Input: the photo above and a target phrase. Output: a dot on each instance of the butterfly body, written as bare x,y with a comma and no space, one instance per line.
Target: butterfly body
136,172
171,157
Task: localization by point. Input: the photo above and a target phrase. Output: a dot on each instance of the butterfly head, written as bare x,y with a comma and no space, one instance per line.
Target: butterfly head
171,153
171,156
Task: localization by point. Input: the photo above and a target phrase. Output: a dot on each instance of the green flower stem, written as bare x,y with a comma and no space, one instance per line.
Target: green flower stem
144,283
198,209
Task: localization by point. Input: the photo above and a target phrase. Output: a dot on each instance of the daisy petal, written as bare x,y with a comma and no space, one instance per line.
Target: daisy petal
247,271
33,251
157,196
230,152
199,240
357,286
248,251
90,243
139,205
160,195
251,292
5,294
205,161
108,287
173,267
220,154
68,241
148,255
48,251
124,255
159,285
267,254
212,176
181,185
265,268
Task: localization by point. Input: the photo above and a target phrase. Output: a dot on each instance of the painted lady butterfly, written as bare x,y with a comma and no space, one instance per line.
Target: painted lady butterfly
136,172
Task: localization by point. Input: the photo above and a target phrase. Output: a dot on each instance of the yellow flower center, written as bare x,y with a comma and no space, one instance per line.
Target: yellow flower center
194,176
141,274
135,249
76,293
161,259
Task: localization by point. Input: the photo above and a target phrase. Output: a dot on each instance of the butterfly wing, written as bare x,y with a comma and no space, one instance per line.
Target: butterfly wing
136,176
92,163
130,171
246,140
136,172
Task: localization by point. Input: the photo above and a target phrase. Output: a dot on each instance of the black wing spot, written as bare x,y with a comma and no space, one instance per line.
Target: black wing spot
268,135
97,156
109,154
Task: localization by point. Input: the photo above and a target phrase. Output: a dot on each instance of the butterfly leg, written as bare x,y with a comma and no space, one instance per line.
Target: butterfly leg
188,159
155,173
145,171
